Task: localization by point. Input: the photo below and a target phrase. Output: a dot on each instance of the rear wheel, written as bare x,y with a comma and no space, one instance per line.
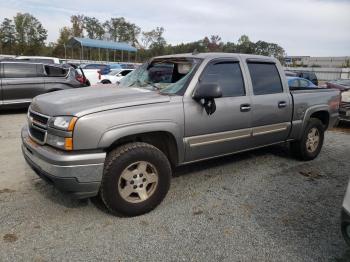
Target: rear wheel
311,142
106,82
136,179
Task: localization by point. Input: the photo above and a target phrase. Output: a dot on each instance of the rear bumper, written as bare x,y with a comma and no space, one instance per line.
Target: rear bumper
79,174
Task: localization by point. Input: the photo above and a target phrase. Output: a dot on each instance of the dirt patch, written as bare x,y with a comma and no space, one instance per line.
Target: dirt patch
311,175
10,238
197,212
6,190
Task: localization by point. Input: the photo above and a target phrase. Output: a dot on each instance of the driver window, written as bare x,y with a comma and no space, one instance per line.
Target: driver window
227,75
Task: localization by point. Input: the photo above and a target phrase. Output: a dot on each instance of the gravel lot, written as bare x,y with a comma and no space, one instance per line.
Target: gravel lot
256,206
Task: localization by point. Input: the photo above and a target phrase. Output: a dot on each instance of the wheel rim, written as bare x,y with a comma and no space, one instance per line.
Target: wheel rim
138,182
313,140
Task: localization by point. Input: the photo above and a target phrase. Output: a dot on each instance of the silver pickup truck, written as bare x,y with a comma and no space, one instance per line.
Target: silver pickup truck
122,143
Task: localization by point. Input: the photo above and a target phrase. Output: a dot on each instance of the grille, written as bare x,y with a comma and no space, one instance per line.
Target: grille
37,126
39,118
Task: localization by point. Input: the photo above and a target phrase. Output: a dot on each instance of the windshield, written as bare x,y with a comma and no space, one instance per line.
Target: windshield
169,75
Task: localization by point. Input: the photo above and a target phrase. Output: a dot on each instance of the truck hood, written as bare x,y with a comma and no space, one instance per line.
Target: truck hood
83,101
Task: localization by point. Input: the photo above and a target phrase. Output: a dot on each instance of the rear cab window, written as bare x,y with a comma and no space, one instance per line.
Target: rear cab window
265,78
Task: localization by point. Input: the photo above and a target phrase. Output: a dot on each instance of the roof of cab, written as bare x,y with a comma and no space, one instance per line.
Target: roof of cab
218,55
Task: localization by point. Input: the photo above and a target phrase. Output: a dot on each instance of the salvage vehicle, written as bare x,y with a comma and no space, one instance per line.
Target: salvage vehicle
344,86
298,82
309,75
123,143
21,81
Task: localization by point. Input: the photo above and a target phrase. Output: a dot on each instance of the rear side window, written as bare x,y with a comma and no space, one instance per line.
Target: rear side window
227,75
265,78
20,70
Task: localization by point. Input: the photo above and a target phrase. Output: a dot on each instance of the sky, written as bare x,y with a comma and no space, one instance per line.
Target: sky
301,27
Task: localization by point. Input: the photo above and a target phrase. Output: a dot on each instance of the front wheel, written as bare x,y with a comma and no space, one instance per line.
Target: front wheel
136,179
310,145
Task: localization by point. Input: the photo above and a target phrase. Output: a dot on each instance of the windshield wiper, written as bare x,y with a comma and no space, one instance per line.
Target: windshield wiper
153,85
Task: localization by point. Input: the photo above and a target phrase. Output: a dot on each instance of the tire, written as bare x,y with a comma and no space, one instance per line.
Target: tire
106,82
135,165
302,148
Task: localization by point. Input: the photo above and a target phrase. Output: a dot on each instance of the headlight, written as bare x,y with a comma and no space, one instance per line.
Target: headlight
65,123
65,143
59,139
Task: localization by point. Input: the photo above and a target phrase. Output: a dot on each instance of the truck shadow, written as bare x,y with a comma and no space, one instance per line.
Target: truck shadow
13,111
276,150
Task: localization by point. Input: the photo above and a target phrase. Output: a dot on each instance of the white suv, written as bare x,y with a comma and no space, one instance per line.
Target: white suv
114,76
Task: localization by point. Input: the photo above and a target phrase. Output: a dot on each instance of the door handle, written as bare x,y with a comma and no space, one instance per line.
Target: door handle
282,104
245,108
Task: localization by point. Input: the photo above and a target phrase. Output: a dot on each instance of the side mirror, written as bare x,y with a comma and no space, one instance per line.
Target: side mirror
206,94
207,91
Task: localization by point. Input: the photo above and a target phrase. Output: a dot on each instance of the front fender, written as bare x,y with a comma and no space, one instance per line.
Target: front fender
117,132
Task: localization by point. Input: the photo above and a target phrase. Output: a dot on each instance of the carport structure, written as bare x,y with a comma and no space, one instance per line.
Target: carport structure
88,44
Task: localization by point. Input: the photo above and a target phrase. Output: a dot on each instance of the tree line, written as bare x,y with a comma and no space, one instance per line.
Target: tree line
24,34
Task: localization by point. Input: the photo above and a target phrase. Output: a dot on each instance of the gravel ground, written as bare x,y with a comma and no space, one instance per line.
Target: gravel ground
257,206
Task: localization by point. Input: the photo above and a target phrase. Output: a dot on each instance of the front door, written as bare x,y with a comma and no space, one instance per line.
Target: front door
229,128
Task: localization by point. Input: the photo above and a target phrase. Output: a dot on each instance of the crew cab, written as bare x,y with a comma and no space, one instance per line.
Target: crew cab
123,143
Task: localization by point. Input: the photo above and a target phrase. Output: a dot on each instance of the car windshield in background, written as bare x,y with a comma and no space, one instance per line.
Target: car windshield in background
114,72
168,75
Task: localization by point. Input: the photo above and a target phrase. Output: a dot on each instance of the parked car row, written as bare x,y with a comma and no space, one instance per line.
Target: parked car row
105,73
309,75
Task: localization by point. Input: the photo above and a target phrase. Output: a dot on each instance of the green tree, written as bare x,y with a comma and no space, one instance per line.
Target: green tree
78,24
30,34
245,46
65,35
213,44
121,30
93,27
7,36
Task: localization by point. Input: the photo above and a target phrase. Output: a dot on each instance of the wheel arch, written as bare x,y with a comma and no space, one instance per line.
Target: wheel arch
167,139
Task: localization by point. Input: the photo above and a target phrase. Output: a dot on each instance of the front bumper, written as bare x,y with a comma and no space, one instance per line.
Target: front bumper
79,174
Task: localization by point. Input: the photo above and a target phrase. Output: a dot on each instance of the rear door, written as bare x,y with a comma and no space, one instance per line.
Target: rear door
229,128
21,82
271,103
